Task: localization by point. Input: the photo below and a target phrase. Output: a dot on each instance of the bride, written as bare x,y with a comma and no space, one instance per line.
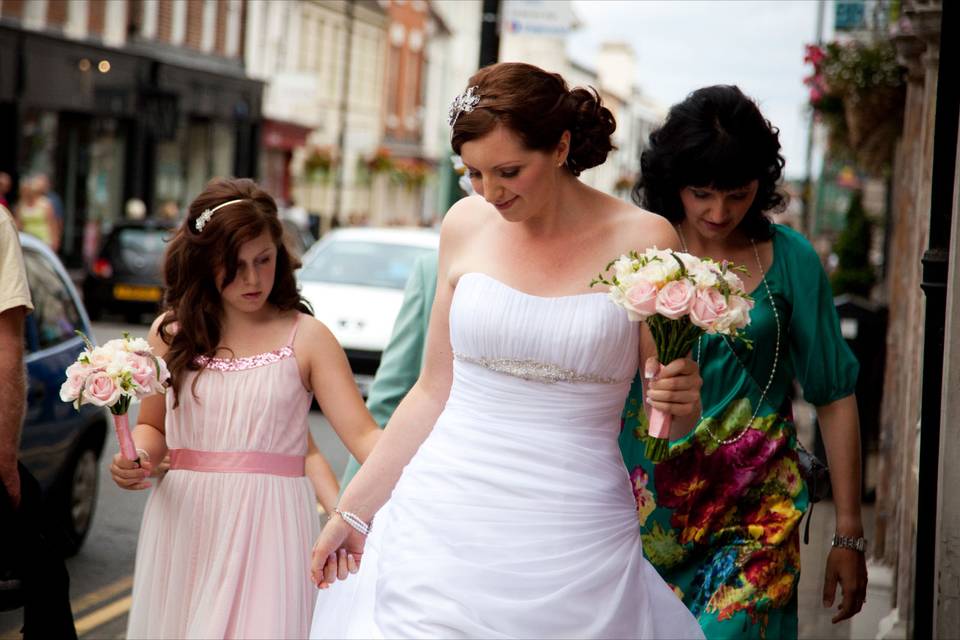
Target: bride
510,511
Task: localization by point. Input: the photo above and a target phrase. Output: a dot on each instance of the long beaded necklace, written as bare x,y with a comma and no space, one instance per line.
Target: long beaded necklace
776,352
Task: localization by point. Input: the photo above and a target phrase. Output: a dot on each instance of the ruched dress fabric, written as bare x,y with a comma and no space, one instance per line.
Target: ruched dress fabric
227,555
516,519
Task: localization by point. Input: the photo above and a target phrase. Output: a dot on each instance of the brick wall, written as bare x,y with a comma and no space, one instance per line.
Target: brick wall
56,13
12,8
220,39
96,13
194,23
164,21
135,16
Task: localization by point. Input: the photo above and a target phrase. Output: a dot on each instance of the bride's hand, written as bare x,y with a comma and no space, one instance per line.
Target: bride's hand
674,388
336,553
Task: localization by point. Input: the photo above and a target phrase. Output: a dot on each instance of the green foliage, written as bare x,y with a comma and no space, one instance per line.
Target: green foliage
854,273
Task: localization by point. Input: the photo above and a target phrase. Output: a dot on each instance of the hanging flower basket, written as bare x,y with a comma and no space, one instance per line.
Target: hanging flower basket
319,163
857,91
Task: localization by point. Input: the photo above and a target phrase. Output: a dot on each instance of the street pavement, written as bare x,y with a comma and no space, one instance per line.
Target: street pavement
102,572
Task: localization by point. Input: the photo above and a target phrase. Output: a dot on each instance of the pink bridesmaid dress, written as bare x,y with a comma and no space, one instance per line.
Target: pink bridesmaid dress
224,547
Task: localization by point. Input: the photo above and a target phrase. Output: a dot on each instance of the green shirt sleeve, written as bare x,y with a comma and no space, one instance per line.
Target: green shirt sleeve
825,366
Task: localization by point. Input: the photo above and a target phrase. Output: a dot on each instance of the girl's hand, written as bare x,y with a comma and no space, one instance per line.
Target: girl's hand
162,468
849,568
128,475
336,553
674,388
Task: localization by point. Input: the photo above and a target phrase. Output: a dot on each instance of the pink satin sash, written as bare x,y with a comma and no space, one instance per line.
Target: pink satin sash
277,464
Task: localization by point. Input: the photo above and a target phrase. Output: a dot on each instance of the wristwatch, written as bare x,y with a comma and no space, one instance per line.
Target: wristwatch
845,542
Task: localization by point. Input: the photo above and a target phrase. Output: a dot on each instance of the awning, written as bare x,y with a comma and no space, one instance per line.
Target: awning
285,136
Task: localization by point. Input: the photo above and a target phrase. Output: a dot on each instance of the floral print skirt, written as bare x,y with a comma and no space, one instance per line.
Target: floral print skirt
721,522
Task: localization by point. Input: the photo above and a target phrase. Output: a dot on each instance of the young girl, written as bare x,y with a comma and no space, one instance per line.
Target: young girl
224,543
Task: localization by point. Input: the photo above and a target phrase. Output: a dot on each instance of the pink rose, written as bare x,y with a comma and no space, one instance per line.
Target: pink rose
674,299
144,374
101,390
707,307
642,299
76,374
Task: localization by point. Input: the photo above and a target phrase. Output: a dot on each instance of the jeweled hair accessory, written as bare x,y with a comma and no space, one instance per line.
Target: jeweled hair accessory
463,103
204,217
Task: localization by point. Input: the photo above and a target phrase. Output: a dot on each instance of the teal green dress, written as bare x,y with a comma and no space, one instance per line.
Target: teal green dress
720,522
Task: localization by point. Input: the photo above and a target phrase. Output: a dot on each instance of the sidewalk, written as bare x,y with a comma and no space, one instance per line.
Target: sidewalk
876,617
814,619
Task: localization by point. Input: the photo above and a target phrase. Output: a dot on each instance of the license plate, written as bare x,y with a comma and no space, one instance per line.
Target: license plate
137,293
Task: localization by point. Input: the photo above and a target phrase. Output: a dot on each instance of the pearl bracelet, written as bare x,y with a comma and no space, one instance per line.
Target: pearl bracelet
355,522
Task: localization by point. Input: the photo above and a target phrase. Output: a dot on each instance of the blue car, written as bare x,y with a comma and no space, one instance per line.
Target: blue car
60,446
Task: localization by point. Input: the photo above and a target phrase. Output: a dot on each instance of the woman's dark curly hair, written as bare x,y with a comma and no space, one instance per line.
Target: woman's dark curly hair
538,107
193,308
716,138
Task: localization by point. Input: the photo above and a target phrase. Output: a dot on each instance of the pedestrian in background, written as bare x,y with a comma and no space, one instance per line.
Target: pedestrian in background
35,215
224,543
720,517
29,554
42,183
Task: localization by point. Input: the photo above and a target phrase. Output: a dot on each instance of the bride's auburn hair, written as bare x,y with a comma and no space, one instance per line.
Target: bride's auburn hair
192,319
538,107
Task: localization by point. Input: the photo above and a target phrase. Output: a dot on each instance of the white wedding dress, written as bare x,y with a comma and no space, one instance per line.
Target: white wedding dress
515,519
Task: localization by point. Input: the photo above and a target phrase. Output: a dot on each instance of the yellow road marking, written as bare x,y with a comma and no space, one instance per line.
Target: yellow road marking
100,595
85,602
104,615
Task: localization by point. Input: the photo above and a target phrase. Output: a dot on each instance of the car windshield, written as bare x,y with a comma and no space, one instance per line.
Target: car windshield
150,241
369,264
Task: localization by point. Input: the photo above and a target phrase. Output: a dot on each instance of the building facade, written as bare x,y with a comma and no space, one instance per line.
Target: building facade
124,99
323,62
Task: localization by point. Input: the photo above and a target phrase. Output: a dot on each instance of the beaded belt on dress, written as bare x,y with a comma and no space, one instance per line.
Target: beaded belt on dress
276,464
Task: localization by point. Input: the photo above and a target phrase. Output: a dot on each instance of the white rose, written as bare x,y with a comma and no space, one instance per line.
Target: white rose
623,268
704,275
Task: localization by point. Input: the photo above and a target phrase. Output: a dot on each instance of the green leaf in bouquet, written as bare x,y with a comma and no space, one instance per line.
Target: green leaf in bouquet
86,340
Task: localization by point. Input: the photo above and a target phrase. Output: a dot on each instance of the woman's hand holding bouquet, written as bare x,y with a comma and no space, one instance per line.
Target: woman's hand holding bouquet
680,297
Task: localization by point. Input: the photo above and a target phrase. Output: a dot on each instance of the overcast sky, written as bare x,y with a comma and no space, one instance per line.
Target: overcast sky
685,44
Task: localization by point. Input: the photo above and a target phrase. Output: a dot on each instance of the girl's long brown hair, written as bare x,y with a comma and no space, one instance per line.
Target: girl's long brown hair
193,309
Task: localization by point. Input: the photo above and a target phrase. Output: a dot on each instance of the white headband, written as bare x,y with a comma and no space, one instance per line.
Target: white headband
204,217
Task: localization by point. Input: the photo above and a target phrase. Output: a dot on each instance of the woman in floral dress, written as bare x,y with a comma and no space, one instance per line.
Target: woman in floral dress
720,517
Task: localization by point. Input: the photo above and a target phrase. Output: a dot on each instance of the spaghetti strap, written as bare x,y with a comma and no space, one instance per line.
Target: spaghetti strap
293,331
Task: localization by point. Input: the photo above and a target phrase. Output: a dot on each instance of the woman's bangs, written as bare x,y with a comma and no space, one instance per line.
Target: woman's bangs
725,165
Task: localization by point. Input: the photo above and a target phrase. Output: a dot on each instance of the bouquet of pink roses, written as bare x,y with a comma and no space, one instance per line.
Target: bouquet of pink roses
112,376
680,297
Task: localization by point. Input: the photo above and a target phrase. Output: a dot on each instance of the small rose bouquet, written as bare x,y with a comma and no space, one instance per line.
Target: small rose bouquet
680,297
112,376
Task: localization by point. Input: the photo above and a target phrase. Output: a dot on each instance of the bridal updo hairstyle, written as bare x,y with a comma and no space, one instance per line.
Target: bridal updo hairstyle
193,308
538,107
718,139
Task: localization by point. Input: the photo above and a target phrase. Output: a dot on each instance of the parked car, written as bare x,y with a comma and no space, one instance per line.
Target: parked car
60,445
354,280
125,277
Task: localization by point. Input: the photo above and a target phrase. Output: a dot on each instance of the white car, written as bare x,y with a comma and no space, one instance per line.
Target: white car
354,280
